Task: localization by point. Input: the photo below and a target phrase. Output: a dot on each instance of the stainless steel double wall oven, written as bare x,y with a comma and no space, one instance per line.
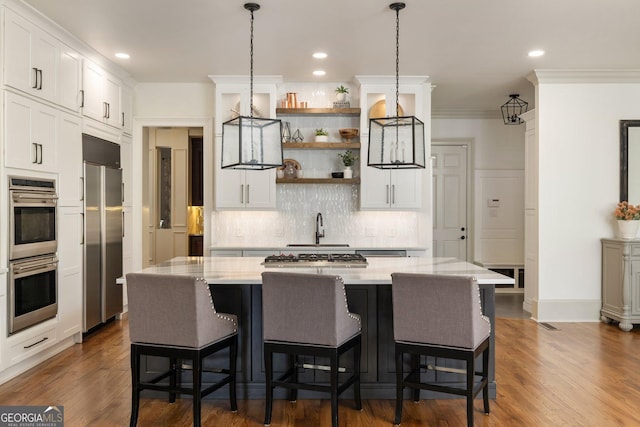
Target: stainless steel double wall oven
33,265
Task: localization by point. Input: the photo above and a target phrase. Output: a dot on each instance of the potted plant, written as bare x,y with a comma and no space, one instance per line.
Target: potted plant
348,159
322,135
628,218
341,93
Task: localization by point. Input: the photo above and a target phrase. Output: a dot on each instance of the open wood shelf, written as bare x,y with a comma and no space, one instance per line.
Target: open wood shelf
321,145
353,181
317,111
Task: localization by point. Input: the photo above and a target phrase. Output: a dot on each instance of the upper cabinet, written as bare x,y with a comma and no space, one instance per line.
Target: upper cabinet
388,189
30,134
234,188
101,95
38,64
126,112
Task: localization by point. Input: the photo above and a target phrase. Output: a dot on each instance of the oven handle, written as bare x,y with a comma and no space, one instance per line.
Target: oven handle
43,197
39,268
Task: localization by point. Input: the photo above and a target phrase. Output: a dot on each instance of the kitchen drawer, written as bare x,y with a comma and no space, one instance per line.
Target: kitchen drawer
30,342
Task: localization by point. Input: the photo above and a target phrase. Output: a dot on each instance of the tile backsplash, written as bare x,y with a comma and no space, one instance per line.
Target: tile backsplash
295,219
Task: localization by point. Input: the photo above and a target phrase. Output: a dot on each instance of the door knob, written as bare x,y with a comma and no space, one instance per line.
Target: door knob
461,228
462,237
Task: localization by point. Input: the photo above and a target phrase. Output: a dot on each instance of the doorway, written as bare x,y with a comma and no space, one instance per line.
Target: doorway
450,216
172,222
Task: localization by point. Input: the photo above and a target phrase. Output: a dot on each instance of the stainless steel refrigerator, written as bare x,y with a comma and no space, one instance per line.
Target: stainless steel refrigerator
102,231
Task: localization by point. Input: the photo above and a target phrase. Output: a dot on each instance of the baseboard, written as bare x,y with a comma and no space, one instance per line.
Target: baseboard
568,310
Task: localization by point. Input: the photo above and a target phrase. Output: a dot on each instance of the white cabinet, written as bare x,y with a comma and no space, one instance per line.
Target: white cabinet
100,95
126,165
390,189
393,189
30,134
621,282
70,185
70,260
38,64
126,113
241,189
530,303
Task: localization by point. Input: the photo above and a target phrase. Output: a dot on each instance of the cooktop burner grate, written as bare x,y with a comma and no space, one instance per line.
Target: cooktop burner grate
312,260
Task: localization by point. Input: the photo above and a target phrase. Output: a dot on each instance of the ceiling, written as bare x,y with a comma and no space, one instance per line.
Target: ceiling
474,51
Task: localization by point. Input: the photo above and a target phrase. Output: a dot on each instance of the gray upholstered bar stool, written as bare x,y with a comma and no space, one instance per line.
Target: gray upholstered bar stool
441,317
174,317
307,315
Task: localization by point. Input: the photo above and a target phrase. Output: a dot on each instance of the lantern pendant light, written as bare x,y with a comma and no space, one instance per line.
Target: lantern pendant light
251,143
512,109
396,142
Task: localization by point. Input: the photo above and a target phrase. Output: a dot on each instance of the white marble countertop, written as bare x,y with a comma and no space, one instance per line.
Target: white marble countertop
311,247
248,270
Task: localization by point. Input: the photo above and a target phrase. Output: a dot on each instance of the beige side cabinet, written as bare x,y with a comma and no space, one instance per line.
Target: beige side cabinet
621,282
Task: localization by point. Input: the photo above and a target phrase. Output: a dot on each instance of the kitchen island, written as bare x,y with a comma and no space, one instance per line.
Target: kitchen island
235,284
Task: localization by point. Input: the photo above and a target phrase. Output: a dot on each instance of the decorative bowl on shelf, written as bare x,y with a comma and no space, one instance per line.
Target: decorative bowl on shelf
349,133
337,174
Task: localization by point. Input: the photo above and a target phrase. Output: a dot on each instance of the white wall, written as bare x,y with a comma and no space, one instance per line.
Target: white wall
578,134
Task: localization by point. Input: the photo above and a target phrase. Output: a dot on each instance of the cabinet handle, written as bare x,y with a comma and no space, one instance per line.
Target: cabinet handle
82,229
40,85
40,150
393,194
35,78
123,119
241,193
248,202
35,153
81,98
104,110
387,193
36,343
108,111
81,188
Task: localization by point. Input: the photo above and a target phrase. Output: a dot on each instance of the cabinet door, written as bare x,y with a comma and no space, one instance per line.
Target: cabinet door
406,187
70,163
375,188
112,100
125,163
70,229
30,134
260,189
126,110
92,91
68,74
230,191
30,57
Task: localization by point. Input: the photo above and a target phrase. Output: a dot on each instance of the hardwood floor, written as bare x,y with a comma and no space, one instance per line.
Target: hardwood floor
580,374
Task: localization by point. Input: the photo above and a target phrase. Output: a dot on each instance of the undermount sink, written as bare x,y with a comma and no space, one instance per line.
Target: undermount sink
318,245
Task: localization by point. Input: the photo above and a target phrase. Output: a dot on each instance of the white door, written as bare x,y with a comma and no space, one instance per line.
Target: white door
449,201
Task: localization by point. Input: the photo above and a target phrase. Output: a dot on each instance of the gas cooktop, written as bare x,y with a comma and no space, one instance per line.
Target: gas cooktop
316,260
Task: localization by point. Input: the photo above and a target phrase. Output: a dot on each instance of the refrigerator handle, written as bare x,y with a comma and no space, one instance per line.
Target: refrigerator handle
122,193
82,188
122,223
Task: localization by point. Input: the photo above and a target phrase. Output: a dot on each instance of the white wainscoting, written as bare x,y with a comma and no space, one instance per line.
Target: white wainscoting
499,216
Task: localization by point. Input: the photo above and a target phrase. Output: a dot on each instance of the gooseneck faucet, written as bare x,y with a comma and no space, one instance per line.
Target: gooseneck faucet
318,225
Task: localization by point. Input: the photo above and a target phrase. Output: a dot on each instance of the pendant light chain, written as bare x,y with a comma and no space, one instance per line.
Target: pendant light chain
397,61
251,72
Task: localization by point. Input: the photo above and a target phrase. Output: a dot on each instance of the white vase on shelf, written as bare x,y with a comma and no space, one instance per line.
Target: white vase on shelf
628,229
348,172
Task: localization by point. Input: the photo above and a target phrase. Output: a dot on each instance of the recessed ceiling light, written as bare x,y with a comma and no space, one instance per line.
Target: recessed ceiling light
319,55
536,53
319,73
122,55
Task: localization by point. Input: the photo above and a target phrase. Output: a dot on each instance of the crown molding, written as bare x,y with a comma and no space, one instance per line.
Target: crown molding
465,114
584,76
